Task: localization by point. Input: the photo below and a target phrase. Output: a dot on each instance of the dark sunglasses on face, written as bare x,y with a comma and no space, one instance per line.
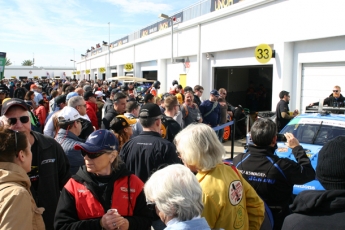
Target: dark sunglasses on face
91,155
335,91
13,120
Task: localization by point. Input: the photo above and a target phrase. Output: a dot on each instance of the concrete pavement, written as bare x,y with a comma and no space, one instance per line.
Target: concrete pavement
238,147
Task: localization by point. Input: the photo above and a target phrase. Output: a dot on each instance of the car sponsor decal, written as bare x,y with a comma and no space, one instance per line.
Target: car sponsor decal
313,121
282,150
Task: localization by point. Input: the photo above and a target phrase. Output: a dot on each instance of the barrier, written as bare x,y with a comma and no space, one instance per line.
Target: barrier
232,124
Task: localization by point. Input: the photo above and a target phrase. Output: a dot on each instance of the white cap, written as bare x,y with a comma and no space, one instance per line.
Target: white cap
68,114
99,94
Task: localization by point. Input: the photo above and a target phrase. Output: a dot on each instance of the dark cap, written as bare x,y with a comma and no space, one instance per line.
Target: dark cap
215,93
60,99
150,110
120,122
100,140
13,102
124,88
88,94
330,170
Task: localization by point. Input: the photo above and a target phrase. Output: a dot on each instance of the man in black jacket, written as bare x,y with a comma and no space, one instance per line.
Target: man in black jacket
50,166
283,111
336,99
324,209
119,108
272,177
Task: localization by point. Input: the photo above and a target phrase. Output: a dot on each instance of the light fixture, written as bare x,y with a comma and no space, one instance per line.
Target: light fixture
83,55
105,43
208,56
172,19
179,60
164,16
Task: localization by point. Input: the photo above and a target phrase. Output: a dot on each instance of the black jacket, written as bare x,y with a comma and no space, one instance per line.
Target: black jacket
274,181
86,129
53,174
66,213
144,153
317,210
172,128
108,117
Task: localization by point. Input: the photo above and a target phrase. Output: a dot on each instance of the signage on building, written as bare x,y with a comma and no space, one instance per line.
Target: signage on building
128,66
263,53
166,23
102,70
221,4
87,71
78,72
2,64
119,42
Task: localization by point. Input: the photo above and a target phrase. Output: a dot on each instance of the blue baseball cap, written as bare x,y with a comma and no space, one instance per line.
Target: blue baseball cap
99,140
70,95
215,93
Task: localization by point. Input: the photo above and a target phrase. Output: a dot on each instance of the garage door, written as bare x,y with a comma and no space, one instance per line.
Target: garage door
318,80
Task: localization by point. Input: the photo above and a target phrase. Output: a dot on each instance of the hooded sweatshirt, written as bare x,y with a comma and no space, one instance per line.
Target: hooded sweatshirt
317,210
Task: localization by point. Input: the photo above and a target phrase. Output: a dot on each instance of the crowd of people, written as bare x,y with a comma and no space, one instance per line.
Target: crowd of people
98,155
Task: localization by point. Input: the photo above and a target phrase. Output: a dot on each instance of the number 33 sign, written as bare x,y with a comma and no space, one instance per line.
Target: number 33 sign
263,53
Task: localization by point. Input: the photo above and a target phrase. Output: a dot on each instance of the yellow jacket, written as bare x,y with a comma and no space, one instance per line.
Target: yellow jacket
229,201
18,209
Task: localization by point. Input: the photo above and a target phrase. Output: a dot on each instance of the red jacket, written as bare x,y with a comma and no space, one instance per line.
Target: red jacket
41,114
88,207
91,109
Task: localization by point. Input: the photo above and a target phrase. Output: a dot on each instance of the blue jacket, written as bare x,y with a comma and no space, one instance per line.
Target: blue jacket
67,143
213,118
198,223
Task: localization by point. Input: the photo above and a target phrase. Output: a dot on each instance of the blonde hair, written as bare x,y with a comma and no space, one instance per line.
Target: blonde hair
199,146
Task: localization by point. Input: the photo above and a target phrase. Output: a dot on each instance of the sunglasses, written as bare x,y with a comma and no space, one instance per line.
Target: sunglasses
151,205
91,155
335,91
13,120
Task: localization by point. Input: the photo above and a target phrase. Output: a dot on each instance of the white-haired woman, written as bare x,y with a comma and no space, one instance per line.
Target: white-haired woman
229,201
176,195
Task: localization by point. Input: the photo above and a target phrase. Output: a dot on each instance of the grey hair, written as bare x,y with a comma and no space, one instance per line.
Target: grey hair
176,192
75,101
199,146
148,122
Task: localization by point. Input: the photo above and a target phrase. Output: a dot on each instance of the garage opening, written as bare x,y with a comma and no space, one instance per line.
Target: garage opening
249,86
150,75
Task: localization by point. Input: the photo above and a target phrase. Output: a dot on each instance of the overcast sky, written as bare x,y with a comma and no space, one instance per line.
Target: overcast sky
53,30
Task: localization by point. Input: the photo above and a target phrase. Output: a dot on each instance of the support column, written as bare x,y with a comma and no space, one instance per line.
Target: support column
162,75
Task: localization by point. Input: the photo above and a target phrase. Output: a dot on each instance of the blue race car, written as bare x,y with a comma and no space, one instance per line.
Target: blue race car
312,130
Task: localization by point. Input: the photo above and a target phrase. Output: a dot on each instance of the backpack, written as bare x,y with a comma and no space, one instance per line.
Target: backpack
169,128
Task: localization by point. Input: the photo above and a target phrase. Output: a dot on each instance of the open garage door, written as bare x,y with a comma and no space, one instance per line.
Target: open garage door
318,80
249,86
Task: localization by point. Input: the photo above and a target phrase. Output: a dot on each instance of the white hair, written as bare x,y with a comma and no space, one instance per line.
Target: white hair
176,192
199,146
75,101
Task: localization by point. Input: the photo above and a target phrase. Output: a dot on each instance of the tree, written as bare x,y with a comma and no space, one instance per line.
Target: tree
8,62
27,63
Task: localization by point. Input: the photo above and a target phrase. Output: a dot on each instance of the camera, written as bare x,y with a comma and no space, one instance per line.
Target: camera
281,137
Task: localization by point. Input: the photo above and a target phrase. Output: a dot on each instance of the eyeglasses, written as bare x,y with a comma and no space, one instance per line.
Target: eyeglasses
91,155
13,120
83,105
151,205
335,91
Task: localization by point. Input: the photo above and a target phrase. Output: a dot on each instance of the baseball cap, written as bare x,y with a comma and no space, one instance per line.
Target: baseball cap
88,94
13,102
68,114
71,94
60,99
120,122
99,140
150,110
99,94
215,93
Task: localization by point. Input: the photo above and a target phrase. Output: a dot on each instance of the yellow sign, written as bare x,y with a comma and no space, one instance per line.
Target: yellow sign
102,70
128,66
35,77
74,72
263,53
78,72
87,71
13,77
